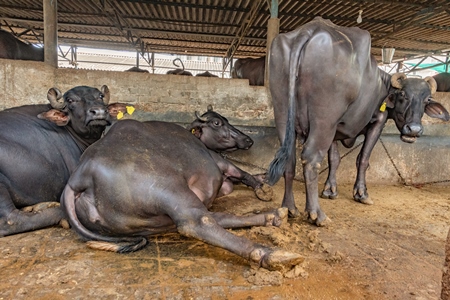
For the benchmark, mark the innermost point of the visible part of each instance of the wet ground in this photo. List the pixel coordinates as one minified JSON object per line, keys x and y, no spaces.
{"x":393,"y":249}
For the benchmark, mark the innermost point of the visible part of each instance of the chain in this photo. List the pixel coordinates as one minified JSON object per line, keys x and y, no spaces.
{"x":392,"y":161}
{"x":297,"y":178}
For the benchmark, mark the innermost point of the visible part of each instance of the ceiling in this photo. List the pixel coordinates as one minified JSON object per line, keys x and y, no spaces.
{"x":226,"y":27}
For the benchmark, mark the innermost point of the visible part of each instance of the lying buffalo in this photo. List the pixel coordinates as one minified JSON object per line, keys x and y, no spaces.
{"x":162,"y":179}
{"x":320,"y":96}
{"x":136,"y":69}
{"x":206,"y":74}
{"x":219,"y":135}
{"x":40,"y":146}
{"x":13,"y":48}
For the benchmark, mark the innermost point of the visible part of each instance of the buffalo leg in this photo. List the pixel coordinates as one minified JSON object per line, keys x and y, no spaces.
{"x":312,"y":156}
{"x":233,"y":173}
{"x":199,"y":223}
{"x":330,"y":187}
{"x":226,"y":220}
{"x":13,"y":220}
{"x":362,"y":162}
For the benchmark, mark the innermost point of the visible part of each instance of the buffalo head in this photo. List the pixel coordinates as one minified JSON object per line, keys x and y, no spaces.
{"x":86,"y":110}
{"x":409,"y":99}
{"x":217,"y":133}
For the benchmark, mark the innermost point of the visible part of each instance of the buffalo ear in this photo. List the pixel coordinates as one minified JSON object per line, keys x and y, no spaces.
{"x":56,"y":116}
{"x":197,"y":131}
{"x":106,"y":94}
{"x":390,"y":101}
{"x":117,"y":109}
{"x":436,"y":110}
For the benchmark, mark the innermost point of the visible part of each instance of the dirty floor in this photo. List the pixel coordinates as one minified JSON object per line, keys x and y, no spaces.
{"x":393,"y":249}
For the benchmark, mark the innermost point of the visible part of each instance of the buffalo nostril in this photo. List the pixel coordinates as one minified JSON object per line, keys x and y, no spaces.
{"x":413,"y":129}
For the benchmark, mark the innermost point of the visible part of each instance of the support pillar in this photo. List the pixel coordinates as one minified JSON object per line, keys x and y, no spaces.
{"x":51,"y":32}
{"x":273,"y":29}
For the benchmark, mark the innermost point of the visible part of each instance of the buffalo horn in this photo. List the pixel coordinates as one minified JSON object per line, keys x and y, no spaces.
{"x":396,"y":80}
{"x":106,"y":94}
{"x":54,"y":96}
{"x":432,"y":83}
{"x":200,"y":117}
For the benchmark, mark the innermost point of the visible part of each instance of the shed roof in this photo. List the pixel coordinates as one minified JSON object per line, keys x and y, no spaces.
{"x":213,"y":27}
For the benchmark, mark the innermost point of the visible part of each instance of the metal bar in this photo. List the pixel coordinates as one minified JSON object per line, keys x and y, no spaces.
{"x":242,"y":31}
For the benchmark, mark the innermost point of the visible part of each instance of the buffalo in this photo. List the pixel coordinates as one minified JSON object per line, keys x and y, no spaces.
{"x":13,"y":48}
{"x":163,"y":179}
{"x":206,"y":74}
{"x":179,"y":71}
{"x":326,"y":87}
{"x":137,"y":69}
{"x":443,"y":82}
{"x":252,"y":69}
{"x":218,"y":135}
{"x":40,"y":146}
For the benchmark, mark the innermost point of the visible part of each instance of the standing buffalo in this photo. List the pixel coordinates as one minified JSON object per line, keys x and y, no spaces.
{"x":443,"y":82}
{"x":326,"y":87}
{"x":217,"y":134}
{"x":13,"y":48}
{"x":161,"y":179}
{"x":250,"y":68}
{"x":179,"y":71}
{"x":40,"y":146}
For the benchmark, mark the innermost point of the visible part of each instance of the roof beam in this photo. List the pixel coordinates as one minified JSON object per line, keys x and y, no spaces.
{"x":242,"y":31}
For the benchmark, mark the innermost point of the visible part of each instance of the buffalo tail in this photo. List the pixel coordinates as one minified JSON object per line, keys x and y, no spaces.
{"x":97,"y":241}
{"x":278,"y":166}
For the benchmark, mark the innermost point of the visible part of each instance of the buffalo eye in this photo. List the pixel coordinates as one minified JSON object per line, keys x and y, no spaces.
{"x":70,"y":100}
{"x":101,"y":96}
{"x":216,"y":122}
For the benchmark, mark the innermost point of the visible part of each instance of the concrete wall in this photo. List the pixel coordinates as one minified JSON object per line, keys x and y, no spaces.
{"x":175,"y":98}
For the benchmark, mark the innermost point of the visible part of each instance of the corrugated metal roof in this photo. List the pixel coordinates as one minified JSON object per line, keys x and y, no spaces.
{"x":209,"y":27}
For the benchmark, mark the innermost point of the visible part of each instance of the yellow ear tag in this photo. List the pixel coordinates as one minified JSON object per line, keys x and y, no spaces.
{"x":193,"y":130}
{"x":119,"y":115}
{"x":130,"y":110}
{"x":383,"y":106}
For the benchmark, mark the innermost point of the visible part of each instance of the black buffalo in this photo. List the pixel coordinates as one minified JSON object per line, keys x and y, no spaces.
{"x":250,"y":68}
{"x":137,"y":69}
{"x":217,"y":134}
{"x":40,"y":146}
{"x":13,"y":48}
{"x":443,"y":82}
{"x":326,"y":87}
{"x":162,"y":179}
{"x":179,"y":71}
{"x":206,"y":74}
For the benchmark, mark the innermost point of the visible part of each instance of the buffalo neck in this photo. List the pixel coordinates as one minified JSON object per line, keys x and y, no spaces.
{"x":81,"y":142}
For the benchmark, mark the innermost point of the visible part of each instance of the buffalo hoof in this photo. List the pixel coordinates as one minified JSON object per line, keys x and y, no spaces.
{"x":40,"y":207}
{"x":318,"y":218}
{"x":264,"y":193}
{"x":329,"y":194}
{"x":280,"y":260}
{"x":294,"y":213}
{"x":277,"y":218}
{"x":64,"y":224}
{"x":363,"y":198}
